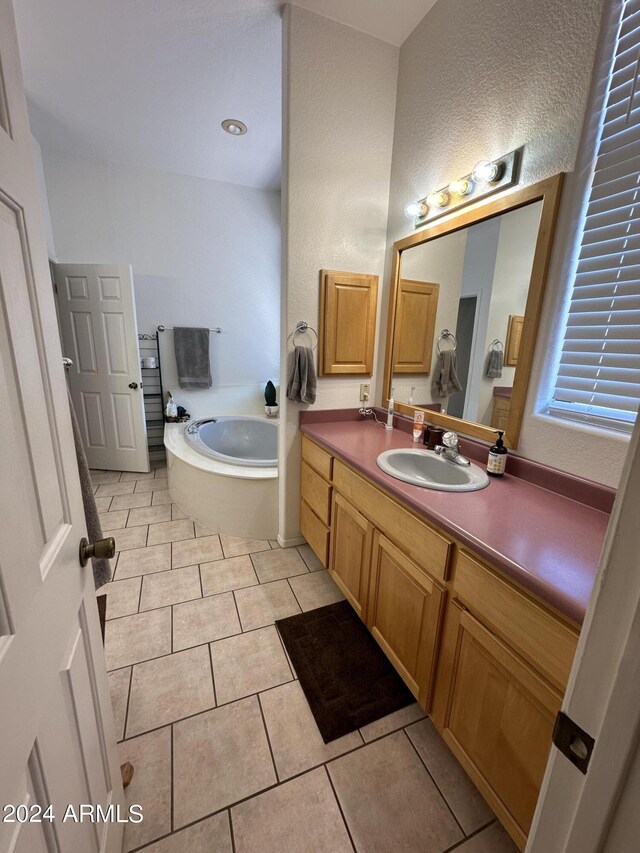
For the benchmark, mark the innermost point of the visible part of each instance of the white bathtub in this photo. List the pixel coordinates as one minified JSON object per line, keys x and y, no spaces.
{"x":225,"y":476}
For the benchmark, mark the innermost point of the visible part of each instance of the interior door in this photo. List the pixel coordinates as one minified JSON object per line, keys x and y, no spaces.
{"x":100,"y":335}
{"x":57,"y":738}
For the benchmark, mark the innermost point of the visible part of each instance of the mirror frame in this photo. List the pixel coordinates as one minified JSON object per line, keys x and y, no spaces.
{"x":548,"y":192}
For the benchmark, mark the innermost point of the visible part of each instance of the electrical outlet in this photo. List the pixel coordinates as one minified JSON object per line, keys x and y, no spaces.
{"x":365,"y":391}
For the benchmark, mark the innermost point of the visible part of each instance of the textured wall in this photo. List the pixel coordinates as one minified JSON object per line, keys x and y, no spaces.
{"x":339,"y":91}
{"x":478,"y":78}
{"x":204,"y":253}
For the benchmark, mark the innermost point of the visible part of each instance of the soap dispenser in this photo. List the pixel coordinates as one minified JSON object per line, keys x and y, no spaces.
{"x":497,"y":460}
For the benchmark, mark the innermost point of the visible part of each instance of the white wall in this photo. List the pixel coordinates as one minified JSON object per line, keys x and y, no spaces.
{"x":510,"y":81}
{"x":44,"y":200}
{"x":339,"y":103}
{"x":204,"y":253}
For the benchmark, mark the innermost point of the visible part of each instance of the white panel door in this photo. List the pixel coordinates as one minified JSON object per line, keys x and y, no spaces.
{"x":100,"y":335}
{"x":57,"y":738}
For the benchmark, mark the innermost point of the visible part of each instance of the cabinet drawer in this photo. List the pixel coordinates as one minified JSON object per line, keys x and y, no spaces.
{"x":315,"y":532}
{"x":428,"y":549}
{"x":316,"y":457}
{"x":540,"y":637}
{"x":316,"y":492}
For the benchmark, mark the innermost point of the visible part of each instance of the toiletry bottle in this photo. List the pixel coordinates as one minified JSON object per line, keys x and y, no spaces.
{"x":418,"y":424}
{"x":172,"y":410}
{"x":497,"y":460}
{"x":389,"y":423}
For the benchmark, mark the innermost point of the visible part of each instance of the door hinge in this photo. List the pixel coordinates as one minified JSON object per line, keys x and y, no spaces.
{"x":573,"y":742}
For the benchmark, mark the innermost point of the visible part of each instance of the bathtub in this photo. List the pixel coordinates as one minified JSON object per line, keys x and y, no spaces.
{"x":223,"y":473}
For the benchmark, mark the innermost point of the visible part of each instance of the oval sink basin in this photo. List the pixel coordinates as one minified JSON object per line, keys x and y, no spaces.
{"x":424,"y":468}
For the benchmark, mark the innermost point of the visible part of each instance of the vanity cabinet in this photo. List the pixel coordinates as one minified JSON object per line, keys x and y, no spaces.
{"x":315,"y":493}
{"x":350,"y":564}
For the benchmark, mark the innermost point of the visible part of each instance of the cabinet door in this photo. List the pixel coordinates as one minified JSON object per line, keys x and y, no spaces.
{"x":405,"y":608}
{"x":498,"y":718}
{"x":347,"y":322}
{"x":351,"y":536}
{"x":415,"y":324}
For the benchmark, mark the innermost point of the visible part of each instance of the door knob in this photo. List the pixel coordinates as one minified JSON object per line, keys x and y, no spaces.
{"x":102,"y":549}
{"x":133,"y":385}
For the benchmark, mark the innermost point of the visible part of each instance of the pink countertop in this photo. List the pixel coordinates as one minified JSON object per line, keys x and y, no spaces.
{"x":544,"y":541}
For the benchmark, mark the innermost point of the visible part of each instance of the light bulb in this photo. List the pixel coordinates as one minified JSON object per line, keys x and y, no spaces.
{"x":440,"y":198}
{"x":415,"y":210}
{"x":462,"y":186}
{"x":485,"y":172}
{"x":234,"y":127}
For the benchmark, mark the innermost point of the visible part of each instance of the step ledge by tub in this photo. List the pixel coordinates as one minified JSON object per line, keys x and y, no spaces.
{"x":175,"y":441}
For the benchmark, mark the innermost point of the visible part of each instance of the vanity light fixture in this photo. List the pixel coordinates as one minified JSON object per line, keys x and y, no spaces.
{"x":234,"y":127}
{"x":486,"y":178}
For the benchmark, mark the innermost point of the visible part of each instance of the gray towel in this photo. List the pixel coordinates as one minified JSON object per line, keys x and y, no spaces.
{"x":494,"y":364}
{"x":192,"y":357}
{"x":445,"y":380}
{"x":302,"y":376}
{"x":101,"y":567}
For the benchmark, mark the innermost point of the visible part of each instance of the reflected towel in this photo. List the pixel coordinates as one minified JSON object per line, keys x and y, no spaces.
{"x":302,"y":376}
{"x":494,"y":364}
{"x":192,"y":357}
{"x":101,"y":567}
{"x":445,"y":380}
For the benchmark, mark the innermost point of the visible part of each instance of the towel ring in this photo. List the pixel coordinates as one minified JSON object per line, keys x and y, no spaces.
{"x":301,"y":329}
{"x":445,"y":333}
{"x":495,"y":343}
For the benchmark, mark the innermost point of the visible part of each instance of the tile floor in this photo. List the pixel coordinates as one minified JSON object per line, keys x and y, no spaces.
{"x":226,"y":753}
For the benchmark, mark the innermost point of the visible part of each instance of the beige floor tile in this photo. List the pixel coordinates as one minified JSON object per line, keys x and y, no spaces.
{"x":170,"y":688}
{"x":305,"y":807}
{"x":158,"y":484}
{"x":103,"y":504}
{"x":177,"y":513}
{"x":127,"y":476}
{"x":150,"y":787}
{"x":201,"y":530}
{"x":128,"y":501}
{"x":105,"y":489}
{"x":149,"y":515}
{"x":212,"y":835}
{"x":119,"y":688}
{"x":204,"y":620}
{"x":295,"y":740}
{"x":248,"y":663}
{"x":224,"y":575}
{"x":461,"y":794}
{"x":315,"y":590}
{"x":99,"y":477}
{"x":160,"y":472}
{"x":192,"y":551}
{"x":161,"y":497}
{"x":136,"y":638}
{"x":310,"y":558}
{"x":122,"y":597}
{"x":392,"y":722}
{"x":262,"y":605}
{"x":274,"y":543}
{"x":113,"y":520}
{"x":389,"y":800}
{"x":143,"y":561}
{"x":494,"y":839}
{"x":233,"y":760}
{"x":170,"y":531}
{"x":274,"y":565}
{"x":235,"y":546}
{"x":162,"y":588}
{"x":128,"y":538}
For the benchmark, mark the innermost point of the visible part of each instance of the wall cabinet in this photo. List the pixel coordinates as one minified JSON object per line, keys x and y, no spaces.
{"x":348,"y":303}
{"x":415,"y":326}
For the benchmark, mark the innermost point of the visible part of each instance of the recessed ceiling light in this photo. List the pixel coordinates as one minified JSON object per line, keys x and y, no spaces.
{"x":234,"y":127}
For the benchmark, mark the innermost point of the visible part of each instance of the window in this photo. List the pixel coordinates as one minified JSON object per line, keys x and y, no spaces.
{"x":599,"y":375}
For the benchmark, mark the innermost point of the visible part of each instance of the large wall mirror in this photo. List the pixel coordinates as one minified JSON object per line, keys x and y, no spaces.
{"x":466,"y":294}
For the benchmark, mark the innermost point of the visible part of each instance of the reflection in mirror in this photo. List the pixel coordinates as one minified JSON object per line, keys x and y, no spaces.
{"x":473,"y":282}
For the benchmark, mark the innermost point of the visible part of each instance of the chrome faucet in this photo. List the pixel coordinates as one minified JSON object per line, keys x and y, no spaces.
{"x":449,"y":449}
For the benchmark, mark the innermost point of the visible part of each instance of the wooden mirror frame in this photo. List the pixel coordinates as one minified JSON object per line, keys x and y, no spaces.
{"x":548,"y":192}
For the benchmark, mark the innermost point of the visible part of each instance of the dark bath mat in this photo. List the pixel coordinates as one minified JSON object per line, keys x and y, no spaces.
{"x":344,"y":674}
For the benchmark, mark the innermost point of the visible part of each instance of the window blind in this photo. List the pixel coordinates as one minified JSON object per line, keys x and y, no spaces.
{"x":599,"y":375}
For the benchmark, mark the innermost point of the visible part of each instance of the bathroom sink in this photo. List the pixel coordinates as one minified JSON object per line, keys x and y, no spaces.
{"x":424,"y":468}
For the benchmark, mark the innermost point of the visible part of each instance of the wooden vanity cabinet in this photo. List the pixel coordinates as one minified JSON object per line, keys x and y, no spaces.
{"x":350,"y":562}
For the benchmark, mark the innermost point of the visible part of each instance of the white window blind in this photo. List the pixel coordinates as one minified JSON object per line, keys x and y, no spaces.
{"x":599,"y":376}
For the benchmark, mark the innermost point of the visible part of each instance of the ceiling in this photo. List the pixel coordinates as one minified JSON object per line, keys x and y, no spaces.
{"x":148,"y":82}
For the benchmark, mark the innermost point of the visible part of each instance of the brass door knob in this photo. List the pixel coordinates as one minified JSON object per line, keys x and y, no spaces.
{"x":102,"y":549}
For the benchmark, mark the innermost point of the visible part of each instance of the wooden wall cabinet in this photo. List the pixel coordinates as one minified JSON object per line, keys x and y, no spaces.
{"x":415,"y":325}
{"x":514,"y":336}
{"x":348,"y":303}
